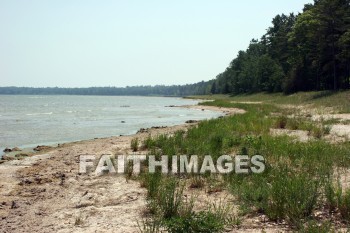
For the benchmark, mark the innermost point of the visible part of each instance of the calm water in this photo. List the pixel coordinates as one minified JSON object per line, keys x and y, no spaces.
{"x":27,"y":121}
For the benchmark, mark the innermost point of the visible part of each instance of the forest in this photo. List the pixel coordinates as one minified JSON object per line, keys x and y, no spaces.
{"x":159,"y":90}
{"x":305,"y":52}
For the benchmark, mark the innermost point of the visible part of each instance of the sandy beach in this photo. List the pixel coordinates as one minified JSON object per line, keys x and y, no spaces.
{"x":45,"y":192}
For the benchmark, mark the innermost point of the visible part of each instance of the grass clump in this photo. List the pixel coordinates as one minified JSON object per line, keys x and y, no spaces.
{"x":281,"y":122}
{"x":294,"y":123}
{"x":320,"y":131}
{"x":150,"y":225}
{"x":315,"y":227}
{"x":280,"y":195}
{"x":170,"y":199}
{"x":204,"y":221}
{"x":332,"y":194}
{"x":337,"y":199}
{"x":135,"y":144}
{"x":172,"y":212}
{"x":292,"y":197}
{"x":344,"y":205}
{"x":165,"y":196}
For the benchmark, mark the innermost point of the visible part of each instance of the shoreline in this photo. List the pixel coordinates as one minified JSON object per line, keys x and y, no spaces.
{"x":78,"y":121}
{"x":29,"y":150}
{"x":45,"y":192}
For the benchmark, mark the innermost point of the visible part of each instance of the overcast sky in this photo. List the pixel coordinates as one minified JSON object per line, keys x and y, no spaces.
{"x":82,"y":43}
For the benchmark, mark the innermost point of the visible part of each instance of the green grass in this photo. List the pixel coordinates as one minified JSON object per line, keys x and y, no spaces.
{"x":134,"y":144}
{"x":203,"y":221}
{"x":298,"y":179}
{"x":281,"y":194}
{"x":171,"y":211}
{"x":338,"y":200}
{"x":338,"y":100}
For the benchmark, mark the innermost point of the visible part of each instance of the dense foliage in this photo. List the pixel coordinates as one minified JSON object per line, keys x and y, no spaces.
{"x":309,"y":51}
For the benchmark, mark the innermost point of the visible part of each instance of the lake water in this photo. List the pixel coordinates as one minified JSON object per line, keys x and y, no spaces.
{"x":26,"y":121}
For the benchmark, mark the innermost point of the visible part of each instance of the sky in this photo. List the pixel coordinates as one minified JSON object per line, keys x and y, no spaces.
{"x":84,"y":43}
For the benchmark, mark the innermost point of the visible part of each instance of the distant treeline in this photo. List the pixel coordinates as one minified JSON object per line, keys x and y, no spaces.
{"x":304,"y":52}
{"x":309,"y":51}
{"x":175,"y":90}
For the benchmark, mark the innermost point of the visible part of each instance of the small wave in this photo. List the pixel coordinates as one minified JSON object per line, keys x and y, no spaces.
{"x":36,"y":97}
{"x":35,"y":114}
